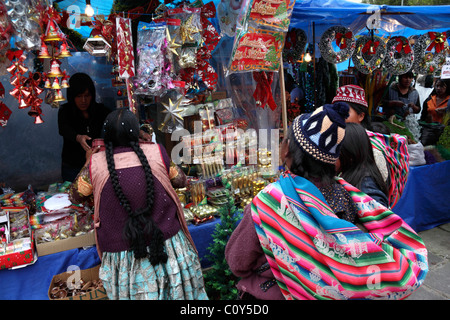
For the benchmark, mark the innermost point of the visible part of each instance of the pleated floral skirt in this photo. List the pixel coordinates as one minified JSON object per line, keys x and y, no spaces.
{"x":180,"y":278}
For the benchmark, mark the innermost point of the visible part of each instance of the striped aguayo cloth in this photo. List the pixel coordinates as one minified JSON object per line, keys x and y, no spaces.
{"x":395,"y":150}
{"x":315,"y":255}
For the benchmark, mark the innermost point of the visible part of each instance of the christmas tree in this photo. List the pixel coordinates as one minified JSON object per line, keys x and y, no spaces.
{"x":220,"y":282}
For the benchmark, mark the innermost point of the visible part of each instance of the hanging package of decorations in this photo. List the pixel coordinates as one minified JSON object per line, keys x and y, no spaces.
{"x":202,"y":68}
{"x":227,"y":14}
{"x":256,"y":49}
{"x":151,"y":41}
{"x":430,"y":52}
{"x":260,"y":35}
{"x":400,"y":56}
{"x":125,"y":53}
{"x":274,"y":14}
{"x":294,"y":45}
{"x":345,"y":41}
{"x":24,"y":16}
{"x":189,"y":31}
{"x":369,"y":53}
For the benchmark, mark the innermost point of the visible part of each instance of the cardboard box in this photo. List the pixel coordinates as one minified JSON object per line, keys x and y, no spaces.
{"x":19,"y":252}
{"x":84,"y":240}
{"x":85,"y":275}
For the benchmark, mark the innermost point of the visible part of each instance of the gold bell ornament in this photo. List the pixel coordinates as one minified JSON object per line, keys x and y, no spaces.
{"x":51,"y":33}
{"x":64,"y":51}
{"x":43,"y":53}
{"x":55,"y":84}
{"x":55,"y":70}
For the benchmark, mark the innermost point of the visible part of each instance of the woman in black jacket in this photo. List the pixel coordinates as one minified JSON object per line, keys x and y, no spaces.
{"x":80,"y":121}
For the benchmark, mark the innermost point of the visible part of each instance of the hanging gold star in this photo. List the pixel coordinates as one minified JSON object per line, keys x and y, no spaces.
{"x":172,"y":111}
{"x":172,"y":45}
{"x":187,"y":29}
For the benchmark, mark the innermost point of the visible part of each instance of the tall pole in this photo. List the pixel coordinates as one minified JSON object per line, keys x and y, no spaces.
{"x":283,"y":98}
{"x":314,"y":64}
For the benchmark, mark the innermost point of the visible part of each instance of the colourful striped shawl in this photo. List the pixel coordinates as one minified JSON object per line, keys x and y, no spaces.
{"x":315,"y":255}
{"x":395,"y":150}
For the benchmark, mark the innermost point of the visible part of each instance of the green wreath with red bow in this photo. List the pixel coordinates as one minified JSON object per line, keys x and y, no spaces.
{"x":369,"y":53}
{"x":428,"y":61}
{"x":344,"y":40}
{"x":400,"y":55}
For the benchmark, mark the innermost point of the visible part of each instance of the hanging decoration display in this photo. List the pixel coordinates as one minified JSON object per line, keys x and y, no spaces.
{"x":55,"y":47}
{"x":400,"y":56}
{"x":26,"y":89}
{"x":274,"y":14}
{"x":294,"y":45}
{"x":227,"y":14}
{"x":345,"y":41}
{"x":173,"y":109}
{"x":430,"y":52}
{"x":17,"y":70}
{"x":24,"y":16}
{"x":101,"y":41}
{"x":369,"y":53}
{"x":257,"y":50}
{"x":6,"y":30}
{"x":125,"y":52}
{"x":260,"y":35}
{"x":209,"y":40}
{"x":152,"y":65}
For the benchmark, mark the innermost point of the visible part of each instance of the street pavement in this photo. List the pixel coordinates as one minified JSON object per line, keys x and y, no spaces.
{"x":437,"y":282}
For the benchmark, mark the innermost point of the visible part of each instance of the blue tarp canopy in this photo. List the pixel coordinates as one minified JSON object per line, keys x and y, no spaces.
{"x":402,"y":20}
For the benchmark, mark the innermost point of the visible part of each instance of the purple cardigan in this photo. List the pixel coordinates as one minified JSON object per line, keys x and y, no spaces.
{"x":113,"y":217}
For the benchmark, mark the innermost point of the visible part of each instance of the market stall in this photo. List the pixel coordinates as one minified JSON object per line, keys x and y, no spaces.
{"x":204,"y":78}
{"x":207,"y":121}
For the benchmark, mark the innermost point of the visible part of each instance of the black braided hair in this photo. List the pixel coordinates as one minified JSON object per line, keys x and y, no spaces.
{"x":121,"y":128}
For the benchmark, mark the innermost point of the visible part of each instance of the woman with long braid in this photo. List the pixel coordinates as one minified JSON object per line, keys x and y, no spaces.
{"x":141,"y":234}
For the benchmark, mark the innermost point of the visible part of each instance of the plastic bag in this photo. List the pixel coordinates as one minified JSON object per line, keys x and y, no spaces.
{"x":416,"y":154}
{"x":151,"y":61}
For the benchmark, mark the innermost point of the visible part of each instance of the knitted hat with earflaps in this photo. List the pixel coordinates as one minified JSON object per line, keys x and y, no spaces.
{"x":321,"y":133}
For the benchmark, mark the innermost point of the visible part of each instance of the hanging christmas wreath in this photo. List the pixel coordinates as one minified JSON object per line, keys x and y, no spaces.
{"x":369,"y":53}
{"x":294,"y":45}
{"x":427,"y":61}
{"x":344,"y":40}
{"x":400,"y":56}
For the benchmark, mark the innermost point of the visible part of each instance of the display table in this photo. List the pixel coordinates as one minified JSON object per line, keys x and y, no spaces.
{"x":424,"y":203}
{"x":32,"y":282}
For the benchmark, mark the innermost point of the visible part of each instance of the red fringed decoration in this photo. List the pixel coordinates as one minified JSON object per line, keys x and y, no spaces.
{"x":263,"y":92}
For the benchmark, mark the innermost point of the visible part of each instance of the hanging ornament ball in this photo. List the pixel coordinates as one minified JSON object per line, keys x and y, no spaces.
{"x":430,"y":52}
{"x":400,"y":55}
{"x":119,"y":93}
{"x":344,"y":40}
{"x":369,"y":53}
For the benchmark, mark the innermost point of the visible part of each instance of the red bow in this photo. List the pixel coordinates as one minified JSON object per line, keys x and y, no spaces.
{"x":341,"y":39}
{"x":370,"y":46}
{"x":263,"y":92}
{"x":48,"y":14}
{"x":17,"y":54}
{"x":438,"y":41}
{"x":402,"y":45}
